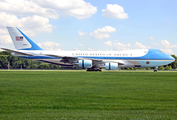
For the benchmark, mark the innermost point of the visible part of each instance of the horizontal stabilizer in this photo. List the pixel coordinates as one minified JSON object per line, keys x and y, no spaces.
{"x":16,"y":51}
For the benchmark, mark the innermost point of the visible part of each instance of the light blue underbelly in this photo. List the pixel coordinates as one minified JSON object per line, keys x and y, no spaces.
{"x":154,"y":63}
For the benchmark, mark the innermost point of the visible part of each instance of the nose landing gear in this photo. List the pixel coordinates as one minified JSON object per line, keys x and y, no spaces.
{"x":155,"y":69}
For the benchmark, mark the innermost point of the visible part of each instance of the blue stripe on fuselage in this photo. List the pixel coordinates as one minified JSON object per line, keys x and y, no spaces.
{"x":39,"y":57}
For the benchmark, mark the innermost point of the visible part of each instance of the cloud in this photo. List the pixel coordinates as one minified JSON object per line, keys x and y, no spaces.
{"x":114,"y":11}
{"x":81,"y":45}
{"x":90,"y":49}
{"x":120,"y":46}
{"x":165,"y":43}
{"x":48,"y":8}
{"x":168,"y":51}
{"x":76,"y":49}
{"x":29,"y":25}
{"x":36,"y":23}
{"x":32,"y":16}
{"x":139,"y":45}
{"x":102,"y":33}
{"x":50,"y":46}
{"x":7,"y":19}
{"x":117,"y":45}
{"x":26,"y":7}
{"x":5,"y":39}
{"x":81,"y":33}
{"x":108,"y":43}
{"x":6,"y":42}
{"x":151,"y":38}
{"x":75,"y":8}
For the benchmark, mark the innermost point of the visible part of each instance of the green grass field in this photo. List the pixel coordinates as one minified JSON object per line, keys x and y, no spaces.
{"x":88,"y":95}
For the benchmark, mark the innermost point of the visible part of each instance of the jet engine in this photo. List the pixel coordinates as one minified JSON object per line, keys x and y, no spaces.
{"x":85,"y":63}
{"x":111,"y":66}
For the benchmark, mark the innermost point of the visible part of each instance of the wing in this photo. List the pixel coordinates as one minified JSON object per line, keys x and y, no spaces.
{"x":65,"y":59}
{"x":95,"y":61}
{"x":59,"y":56}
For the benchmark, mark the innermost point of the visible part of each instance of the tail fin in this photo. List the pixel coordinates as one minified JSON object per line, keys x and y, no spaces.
{"x":21,"y":41}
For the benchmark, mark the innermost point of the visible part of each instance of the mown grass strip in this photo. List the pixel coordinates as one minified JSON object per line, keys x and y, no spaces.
{"x":88,"y":95}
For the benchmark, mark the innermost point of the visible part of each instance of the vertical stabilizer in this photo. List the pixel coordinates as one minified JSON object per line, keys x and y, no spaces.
{"x":21,"y":41}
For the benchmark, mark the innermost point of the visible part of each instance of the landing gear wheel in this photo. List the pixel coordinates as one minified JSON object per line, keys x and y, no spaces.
{"x":93,"y":69}
{"x":89,"y":69}
{"x":155,"y":69}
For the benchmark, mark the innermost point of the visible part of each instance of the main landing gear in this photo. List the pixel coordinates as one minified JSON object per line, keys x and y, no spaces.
{"x":93,"y":69}
{"x":155,"y":69}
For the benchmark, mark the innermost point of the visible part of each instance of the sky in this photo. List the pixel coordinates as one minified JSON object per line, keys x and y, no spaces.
{"x":92,"y":25}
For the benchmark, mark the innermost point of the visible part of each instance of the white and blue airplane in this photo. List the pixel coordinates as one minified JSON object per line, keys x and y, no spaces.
{"x":90,"y":60}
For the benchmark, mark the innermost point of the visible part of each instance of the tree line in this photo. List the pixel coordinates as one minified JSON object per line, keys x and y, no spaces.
{"x":18,"y":63}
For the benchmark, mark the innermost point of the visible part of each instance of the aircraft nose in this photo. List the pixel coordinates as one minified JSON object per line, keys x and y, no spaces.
{"x":172,"y":58}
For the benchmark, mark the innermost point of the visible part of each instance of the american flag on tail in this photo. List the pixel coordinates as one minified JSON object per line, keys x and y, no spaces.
{"x":19,"y":38}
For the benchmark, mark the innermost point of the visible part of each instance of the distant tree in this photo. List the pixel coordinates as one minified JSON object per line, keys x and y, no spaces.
{"x":44,"y":66}
{"x":27,"y":63}
{"x":142,"y":68}
{"x":168,"y":67}
{"x":174,"y":64}
{"x":3,"y":61}
{"x":17,"y":62}
{"x":12,"y":60}
{"x":148,"y":68}
{"x":5,"y":53}
{"x":34,"y":66}
{"x":161,"y":68}
{"x":136,"y":68}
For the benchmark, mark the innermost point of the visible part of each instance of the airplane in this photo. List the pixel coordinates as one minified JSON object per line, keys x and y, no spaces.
{"x":89,"y":60}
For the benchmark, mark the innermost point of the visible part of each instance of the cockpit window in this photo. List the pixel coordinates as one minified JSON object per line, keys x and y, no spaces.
{"x":160,"y":51}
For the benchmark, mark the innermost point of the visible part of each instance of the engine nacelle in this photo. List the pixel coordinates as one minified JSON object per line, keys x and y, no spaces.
{"x":111,"y":66}
{"x":85,"y":63}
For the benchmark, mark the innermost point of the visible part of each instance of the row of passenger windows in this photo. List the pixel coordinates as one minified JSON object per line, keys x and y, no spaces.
{"x":100,"y":54}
